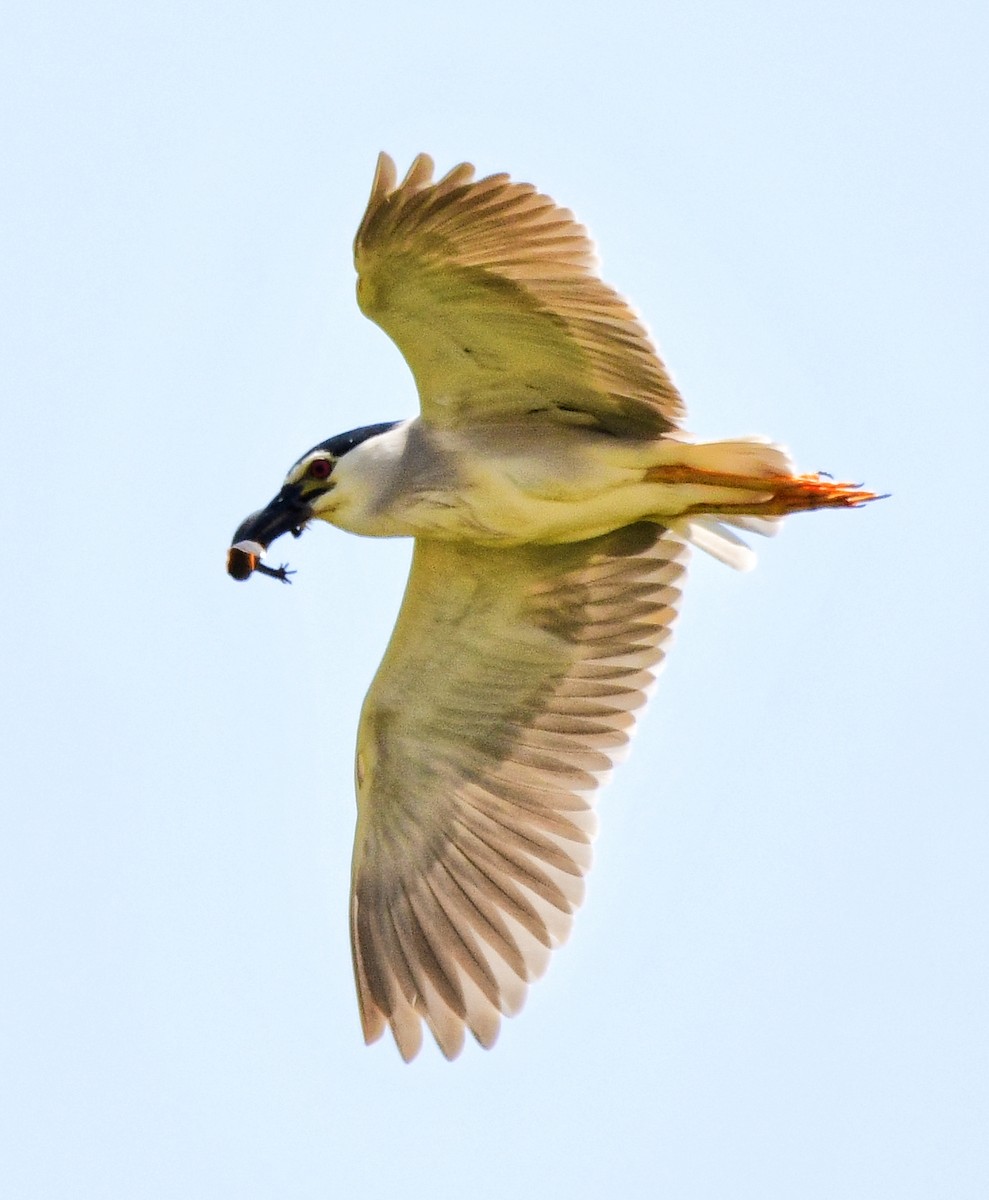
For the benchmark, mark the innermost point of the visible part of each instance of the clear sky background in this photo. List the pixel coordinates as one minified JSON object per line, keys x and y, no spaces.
{"x":777,"y":987}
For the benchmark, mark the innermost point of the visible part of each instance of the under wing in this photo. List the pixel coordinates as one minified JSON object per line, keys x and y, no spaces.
{"x":490,"y":291}
{"x":511,"y":683}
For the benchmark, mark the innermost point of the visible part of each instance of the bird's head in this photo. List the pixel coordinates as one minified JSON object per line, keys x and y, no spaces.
{"x":306,"y":493}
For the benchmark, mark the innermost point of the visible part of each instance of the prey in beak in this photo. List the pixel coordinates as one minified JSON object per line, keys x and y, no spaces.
{"x":287,"y":513}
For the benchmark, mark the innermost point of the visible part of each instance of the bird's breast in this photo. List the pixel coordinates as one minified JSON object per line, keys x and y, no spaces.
{"x":498,"y":487}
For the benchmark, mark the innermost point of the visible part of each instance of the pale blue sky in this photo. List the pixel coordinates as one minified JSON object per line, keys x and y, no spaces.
{"x":777,"y":987}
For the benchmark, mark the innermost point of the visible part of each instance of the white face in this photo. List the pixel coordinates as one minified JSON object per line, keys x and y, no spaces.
{"x":344,"y":480}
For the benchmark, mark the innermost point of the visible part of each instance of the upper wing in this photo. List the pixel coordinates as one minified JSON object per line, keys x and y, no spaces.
{"x":489,"y":290}
{"x":510,"y":684}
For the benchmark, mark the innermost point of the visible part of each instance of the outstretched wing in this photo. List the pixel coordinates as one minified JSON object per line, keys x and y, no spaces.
{"x":511,"y":682}
{"x":490,"y":292}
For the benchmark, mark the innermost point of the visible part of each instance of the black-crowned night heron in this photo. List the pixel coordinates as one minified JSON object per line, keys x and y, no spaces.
{"x":551,"y":494}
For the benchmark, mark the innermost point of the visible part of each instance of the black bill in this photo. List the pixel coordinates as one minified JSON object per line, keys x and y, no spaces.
{"x":287,"y":513}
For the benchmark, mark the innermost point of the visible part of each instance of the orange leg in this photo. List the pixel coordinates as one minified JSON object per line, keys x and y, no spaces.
{"x":786,"y":493}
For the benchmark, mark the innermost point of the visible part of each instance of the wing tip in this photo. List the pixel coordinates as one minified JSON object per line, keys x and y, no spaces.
{"x":419,"y":174}
{"x":385,"y":175}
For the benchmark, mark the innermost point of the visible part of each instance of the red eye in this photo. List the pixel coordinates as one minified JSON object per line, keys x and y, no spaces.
{"x":319,"y":468}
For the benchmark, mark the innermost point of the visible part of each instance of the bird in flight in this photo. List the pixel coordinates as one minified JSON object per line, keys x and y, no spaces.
{"x":552,"y":494}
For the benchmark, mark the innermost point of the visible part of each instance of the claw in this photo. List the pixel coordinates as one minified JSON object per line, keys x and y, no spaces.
{"x":281,"y":572}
